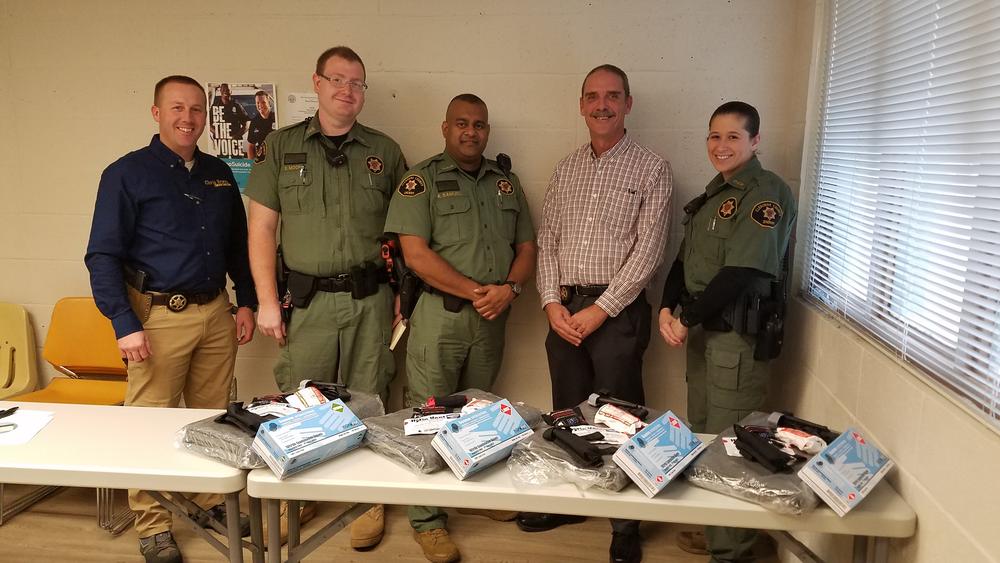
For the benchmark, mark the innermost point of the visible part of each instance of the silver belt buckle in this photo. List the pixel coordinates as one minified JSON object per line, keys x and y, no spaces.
{"x":177,"y":302}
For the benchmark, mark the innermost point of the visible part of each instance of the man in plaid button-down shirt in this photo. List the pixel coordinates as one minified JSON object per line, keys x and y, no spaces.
{"x":604,"y":225}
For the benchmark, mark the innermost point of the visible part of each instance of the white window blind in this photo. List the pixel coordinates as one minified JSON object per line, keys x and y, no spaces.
{"x":905,"y":218}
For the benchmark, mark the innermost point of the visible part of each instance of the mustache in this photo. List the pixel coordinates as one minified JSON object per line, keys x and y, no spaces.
{"x":602,"y":113}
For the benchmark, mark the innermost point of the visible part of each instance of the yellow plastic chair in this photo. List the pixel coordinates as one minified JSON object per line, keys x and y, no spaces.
{"x":81,"y":344}
{"x":18,"y":367}
{"x":81,"y":341}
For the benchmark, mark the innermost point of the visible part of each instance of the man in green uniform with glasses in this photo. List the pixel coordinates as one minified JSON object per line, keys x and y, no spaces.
{"x":329,"y":180}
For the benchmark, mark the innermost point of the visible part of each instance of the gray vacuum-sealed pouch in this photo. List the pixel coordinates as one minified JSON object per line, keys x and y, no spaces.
{"x":385,"y":435}
{"x":230,"y":445}
{"x":739,"y":477}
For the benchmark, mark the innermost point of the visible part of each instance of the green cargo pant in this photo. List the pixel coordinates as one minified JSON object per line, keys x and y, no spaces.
{"x":448,"y":352}
{"x":725,"y":384}
{"x":337,"y":334}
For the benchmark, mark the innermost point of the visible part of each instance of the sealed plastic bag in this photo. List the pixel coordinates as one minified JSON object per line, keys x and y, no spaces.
{"x":385,"y":435}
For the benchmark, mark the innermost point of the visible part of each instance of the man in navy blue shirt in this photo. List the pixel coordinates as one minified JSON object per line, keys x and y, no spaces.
{"x":169,"y":225}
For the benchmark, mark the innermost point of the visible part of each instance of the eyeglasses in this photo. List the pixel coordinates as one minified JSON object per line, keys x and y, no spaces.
{"x":339,"y":83}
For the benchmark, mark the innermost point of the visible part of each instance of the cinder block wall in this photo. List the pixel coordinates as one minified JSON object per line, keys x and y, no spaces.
{"x":76,"y":83}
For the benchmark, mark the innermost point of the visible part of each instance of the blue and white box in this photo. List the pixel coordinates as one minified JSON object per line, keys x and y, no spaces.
{"x":481,"y":438}
{"x":658,"y":452}
{"x":300,"y":440}
{"x":845,"y":471}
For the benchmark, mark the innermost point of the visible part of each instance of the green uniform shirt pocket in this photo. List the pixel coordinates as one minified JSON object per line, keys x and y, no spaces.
{"x":453,"y":222}
{"x":295,"y":189}
{"x":510,"y":208}
{"x":712,"y":246}
{"x":372,"y":200}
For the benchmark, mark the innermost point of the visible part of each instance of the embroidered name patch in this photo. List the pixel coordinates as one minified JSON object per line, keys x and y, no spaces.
{"x":218,"y":183}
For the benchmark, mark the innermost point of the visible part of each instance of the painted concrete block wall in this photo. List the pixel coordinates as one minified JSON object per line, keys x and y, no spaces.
{"x":946,"y":458}
{"x":76,"y":81}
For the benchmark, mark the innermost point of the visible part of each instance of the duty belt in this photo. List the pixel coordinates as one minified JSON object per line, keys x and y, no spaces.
{"x":566,"y":292}
{"x":343,"y":283}
{"x":177,"y":301}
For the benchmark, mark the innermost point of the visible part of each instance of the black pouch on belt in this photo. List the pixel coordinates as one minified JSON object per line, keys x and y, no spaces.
{"x":301,"y":287}
{"x":453,"y":303}
{"x":364,"y":280}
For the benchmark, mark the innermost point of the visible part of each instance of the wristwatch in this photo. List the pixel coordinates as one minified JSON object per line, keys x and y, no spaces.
{"x":514,"y":286}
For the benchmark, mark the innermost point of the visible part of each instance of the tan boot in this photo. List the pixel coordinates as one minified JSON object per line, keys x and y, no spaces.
{"x":437,"y":546}
{"x":498,"y":515}
{"x":692,"y":542}
{"x":367,"y":529}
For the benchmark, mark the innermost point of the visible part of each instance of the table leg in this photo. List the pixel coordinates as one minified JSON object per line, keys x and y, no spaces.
{"x":233,"y":527}
{"x":860,"y":549}
{"x":273,"y":531}
{"x":256,"y":530}
{"x":326,"y":532}
{"x":294,"y":532}
{"x":881,"y":550}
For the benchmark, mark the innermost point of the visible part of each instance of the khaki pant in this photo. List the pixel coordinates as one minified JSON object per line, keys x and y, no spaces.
{"x":193,"y":355}
{"x":725,"y":384}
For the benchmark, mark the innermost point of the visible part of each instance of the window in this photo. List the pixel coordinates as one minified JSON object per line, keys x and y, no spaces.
{"x":905,"y":216}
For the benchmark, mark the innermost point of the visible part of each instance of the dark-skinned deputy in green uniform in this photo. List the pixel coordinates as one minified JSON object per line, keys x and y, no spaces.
{"x":735,"y":238}
{"x":464,"y":228}
{"x":329,"y":180}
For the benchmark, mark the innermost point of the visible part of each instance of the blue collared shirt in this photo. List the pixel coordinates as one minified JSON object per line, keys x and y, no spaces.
{"x":186,"y":230}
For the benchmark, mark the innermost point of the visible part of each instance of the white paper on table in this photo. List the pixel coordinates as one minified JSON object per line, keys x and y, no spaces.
{"x":28,"y":422}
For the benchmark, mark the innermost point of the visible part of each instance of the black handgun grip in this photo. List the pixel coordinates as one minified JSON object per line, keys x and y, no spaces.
{"x":757,"y":449}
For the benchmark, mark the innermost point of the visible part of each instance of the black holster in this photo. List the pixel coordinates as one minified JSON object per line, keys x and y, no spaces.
{"x":364,"y":280}
{"x":301,"y":288}
{"x":453,"y":303}
{"x":770,"y":338}
{"x":410,"y":287}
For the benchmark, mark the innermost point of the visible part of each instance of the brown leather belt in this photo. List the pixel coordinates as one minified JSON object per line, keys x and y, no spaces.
{"x":177,"y":301}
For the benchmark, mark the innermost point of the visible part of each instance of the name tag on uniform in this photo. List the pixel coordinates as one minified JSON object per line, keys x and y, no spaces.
{"x":295,"y":158}
{"x":447,"y":186}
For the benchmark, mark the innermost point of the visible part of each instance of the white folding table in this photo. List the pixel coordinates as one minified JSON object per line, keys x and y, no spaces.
{"x":130,"y":448}
{"x":365,"y":477}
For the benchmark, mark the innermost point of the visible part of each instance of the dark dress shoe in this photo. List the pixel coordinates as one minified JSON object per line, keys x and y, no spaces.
{"x":535,"y":522}
{"x":625,"y":548}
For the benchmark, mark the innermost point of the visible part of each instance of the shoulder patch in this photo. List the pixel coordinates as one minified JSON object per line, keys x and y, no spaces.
{"x":261,"y":154}
{"x":375,"y":164}
{"x":728,"y":208}
{"x":505,"y":187}
{"x":412,"y":185}
{"x":766,"y":214}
